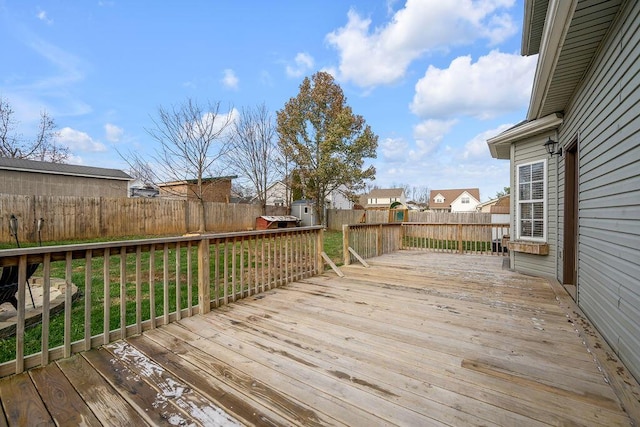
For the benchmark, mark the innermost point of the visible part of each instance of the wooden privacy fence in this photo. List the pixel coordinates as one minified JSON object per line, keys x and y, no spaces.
{"x":369,"y":240}
{"x":336,"y":218}
{"x":76,"y":218}
{"x":130,"y":286}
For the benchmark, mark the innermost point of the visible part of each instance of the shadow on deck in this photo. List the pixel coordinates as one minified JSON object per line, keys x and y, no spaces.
{"x":416,"y":339}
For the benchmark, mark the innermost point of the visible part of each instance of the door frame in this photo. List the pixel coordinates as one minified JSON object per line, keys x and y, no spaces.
{"x":571,"y":215}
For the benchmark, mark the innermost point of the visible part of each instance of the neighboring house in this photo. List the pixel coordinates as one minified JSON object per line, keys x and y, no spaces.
{"x":455,"y":200}
{"x":35,"y":178}
{"x":338,"y":200}
{"x":383,"y":198}
{"x":216,"y":189}
{"x":576,"y":213}
{"x":277,"y":194}
{"x":141,"y":188}
{"x":499,"y":203}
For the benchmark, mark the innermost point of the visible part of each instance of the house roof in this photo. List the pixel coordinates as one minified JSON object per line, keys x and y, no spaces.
{"x":499,"y":145}
{"x":385,"y":192}
{"x":35,"y":166}
{"x":451,"y":195}
{"x":567,"y":36}
{"x":502,"y":201}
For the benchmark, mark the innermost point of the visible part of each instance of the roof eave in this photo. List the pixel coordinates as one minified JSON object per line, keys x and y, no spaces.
{"x":527,"y":25}
{"x":558,"y":19}
{"x":499,"y":145}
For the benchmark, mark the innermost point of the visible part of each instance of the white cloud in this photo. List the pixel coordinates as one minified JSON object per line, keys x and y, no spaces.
{"x":42,"y":15}
{"x":394,"y":150}
{"x":433,"y":130}
{"x":496,"y":83}
{"x":79,"y":141}
{"x":381,"y":56}
{"x":302,"y":64}
{"x":428,"y":136}
{"x":219,"y":120}
{"x":113,"y":133}
{"x":230,"y":80}
{"x":477,"y":147}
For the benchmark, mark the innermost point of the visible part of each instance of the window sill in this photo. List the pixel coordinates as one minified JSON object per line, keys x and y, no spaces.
{"x":535,"y":248}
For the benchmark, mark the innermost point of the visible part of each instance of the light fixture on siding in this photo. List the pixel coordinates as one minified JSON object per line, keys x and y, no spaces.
{"x":550,"y":146}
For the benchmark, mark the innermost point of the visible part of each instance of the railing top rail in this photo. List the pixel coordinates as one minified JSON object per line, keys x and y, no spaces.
{"x":10,"y":256}
{"x":467,"y":224}
{"x":375,"y":224}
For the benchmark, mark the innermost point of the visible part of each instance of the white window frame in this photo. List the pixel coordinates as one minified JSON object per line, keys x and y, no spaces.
{"x":465,"y":200}
{"x":519,"y":202}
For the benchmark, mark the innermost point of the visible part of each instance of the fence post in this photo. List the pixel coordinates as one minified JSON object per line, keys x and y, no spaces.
{"x":345,"y":244}
{"x":379,"y":242}
{"x":319,"y":250}
{"x":204,"y":277}
{"x":460,"y":248}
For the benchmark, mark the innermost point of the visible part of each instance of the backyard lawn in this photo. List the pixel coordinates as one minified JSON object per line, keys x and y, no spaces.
{"x":332,"y":247}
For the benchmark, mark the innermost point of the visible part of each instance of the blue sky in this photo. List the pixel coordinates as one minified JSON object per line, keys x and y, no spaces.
{"x":433,"y":78}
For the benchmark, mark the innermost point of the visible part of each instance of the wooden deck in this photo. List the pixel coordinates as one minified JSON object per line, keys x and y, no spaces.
{"x":416,"y":339}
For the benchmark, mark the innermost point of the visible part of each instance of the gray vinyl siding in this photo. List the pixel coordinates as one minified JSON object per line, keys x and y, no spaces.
{"x":528,"y":151}
{"x":605,"y":116}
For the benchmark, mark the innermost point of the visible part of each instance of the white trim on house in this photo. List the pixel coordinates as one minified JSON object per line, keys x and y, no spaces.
{"x":500,"y":145}
{"x":559,"y":15}
{"x":519,"y":202}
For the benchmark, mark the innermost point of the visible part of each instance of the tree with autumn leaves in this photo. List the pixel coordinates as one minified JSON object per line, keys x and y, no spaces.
{"x":326,"y":142}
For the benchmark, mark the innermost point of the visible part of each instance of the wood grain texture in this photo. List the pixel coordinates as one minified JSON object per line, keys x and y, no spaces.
{"x":64,"y":403}
{"x":415,"y":339}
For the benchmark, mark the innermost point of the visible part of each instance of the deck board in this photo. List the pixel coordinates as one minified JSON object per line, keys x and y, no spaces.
{"x":416,"y":339}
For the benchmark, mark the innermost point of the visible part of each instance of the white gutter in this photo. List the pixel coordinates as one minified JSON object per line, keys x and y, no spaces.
{"x":557,"y":21}
{"x":499,"y":144}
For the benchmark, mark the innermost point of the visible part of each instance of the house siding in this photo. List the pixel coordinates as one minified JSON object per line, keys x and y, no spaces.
{"x":532,"y":150}
{"x":605,"y":117}
{"x":45,"y":184}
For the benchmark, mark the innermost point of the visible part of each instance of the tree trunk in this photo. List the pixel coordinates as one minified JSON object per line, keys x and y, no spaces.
{"x":202,"y":227}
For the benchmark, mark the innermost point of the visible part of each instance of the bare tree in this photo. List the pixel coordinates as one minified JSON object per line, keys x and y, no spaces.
{"x":192,"y":139}
{"x":44,"y":147}
{"x":253,"y":150}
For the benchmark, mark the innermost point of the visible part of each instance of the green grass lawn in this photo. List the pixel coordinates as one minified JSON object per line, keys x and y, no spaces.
{"x":332,"y":246}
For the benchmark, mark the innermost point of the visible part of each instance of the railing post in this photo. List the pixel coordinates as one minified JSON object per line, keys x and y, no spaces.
{"x":345,"y":244}
{"x":204,"y":277}
{"x":319,"y":250}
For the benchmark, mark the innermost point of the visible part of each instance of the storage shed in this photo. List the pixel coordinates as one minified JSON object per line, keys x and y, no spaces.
{"x":305,"y":210}
{"x":268,"y":222}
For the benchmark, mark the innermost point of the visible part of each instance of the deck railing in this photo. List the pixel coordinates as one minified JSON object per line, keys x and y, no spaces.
{"x":369,"y":240}
{"x":127,"y":287}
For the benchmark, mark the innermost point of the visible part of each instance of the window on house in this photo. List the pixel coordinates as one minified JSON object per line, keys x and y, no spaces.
{"x":465,"y":200}
{"x":531,"y":201}
{"x":306,"y":210}
{"x":439,"y":199}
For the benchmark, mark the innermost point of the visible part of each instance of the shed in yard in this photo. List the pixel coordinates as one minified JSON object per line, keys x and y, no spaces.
{"x":305,"y":211}
{"x":266,"y":222}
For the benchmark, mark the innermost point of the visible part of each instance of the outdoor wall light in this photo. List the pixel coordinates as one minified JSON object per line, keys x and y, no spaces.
{"x":550,"y":146}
